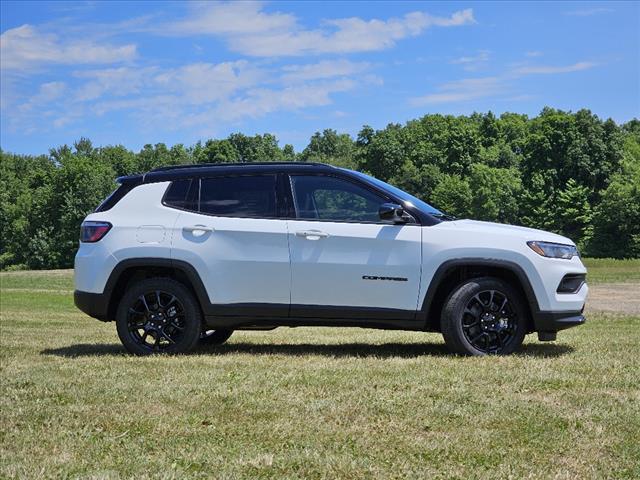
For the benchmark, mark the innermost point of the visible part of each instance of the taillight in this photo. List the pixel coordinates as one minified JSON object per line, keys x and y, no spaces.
{"x":93,"y":231}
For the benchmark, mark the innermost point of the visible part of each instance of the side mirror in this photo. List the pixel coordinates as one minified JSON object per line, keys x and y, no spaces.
{"x":392,"y":212}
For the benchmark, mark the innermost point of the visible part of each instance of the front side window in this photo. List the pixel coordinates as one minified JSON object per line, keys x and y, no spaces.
{"x":320,"y":197}
{"x":241,"y":196}
{"x":401,"y":194}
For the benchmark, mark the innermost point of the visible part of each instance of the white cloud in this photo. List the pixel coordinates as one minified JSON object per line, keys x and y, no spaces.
{"x":47,"y":93}
{"x":587,"y":12}
{"x":171,"y":112}
{"x":194,"y":83}
{"x":549,"y":69}
{"x":534,"y":53}
{"x":194,"y":95}
{"x":231,"y":18}
{"x":462,"y":90}
{"x":473,"y":62}
{"x":492,"y":87}
{"x":323,"y":69}
{"x":251,"y":31}
{"x":117,"y":82}
{"x":50,"y":91}
{"x":205,"y":82}
{"x":45,"y":107}
{"x":25,"y":47}
{"x":104,"y":79}
{"x":262,"y":101}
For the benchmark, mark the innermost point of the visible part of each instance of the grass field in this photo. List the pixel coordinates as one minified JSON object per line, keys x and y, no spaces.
{"x":310,"y":403}
{"x":606,"y":270}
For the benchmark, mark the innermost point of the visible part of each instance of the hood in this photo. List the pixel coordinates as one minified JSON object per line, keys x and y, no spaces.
{"x":474,"y":226}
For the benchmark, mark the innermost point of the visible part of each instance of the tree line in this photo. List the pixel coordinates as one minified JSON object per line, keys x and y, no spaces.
{"x":570,"y":173}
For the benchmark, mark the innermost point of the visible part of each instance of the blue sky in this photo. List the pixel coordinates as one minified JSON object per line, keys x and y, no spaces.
{"x":133,"y":73}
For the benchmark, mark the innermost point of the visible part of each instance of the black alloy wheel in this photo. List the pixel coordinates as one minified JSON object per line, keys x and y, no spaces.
{"x":484,"y":316}
{"x":156,"y":320}
{"x":489,"y":323}
{"x":158,"y":315}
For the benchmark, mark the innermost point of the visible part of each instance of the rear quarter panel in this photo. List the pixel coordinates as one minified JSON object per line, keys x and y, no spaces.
{"x":141,"y":227}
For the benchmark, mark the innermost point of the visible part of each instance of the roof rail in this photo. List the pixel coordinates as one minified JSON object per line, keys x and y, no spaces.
{"x":204,"y":165}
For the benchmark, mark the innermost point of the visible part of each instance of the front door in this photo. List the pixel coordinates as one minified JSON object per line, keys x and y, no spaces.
{"x":345,"y":261}
{"x":238,"y":245}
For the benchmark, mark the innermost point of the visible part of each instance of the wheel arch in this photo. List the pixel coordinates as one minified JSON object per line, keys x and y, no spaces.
{"x":131,"y":269}
{"x":452,"y":272}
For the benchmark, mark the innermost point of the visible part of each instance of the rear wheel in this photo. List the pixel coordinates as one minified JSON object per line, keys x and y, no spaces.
{"x":158,"y":315}
{"x":484,"y":316}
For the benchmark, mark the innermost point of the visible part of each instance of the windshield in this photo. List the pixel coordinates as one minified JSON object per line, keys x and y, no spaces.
{"x":401,"y":194}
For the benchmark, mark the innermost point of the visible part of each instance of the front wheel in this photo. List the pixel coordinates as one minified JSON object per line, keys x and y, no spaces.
{"x":484,"y":316}
{"x":158,"y":315}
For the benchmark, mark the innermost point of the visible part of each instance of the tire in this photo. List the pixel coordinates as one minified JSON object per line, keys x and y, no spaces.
{"x":158,"y":315}
{"x":214,"y":337}
{"x":484,"y":316}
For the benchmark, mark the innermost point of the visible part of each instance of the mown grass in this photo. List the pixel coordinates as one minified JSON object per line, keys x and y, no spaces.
{"x":308,"y":403}
{"x":611,"y":270}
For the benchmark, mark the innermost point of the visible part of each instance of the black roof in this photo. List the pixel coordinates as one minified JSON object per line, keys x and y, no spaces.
{"x":181,"y":171}
{"x":175,"y":172}
{"x":237,"y":164}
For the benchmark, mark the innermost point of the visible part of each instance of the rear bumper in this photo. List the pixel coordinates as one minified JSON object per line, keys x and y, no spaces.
{"x":95,"y":305}
{"x":549,"y":322}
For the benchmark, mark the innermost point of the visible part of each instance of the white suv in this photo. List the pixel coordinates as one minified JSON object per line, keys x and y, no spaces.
{"x":187,"y":254}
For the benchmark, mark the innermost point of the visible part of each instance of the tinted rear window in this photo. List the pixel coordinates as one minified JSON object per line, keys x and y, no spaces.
{"x":115,"y":196}
{"x":177,"y":195}
{"x":242,"y":196}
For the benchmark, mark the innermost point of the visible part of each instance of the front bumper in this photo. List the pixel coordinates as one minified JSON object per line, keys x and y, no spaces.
{"x":95,"y":305}
{"x":551,"y":322}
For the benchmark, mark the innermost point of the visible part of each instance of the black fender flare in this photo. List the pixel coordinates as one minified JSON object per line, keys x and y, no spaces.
{"x":447,"y":266}
{"x":150,"y":262}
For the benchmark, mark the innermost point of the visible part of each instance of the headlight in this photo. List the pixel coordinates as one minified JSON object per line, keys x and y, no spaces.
{"x":554,"y":250}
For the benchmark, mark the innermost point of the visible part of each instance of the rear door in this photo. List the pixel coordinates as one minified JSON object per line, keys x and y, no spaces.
{"x":345,"y":261}
{"x":232,"y":235}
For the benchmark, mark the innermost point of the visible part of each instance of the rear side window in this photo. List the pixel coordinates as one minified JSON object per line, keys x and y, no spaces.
{"x":115,"y":196}
{"x":241,"y":196}
{"x":177,"y":195}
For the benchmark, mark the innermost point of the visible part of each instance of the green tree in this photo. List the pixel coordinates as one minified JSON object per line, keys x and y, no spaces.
{"x":537,"y":202}
{"x":179,"y":155}
{"x":576,"y":146}
{"x":574,"y":212}
{"x":495,"y":193}
{"x":616,"y":220}
{"x":121,"y":160}
{"x":330,"y":147}
{"x":259,"y":148}
{"x":381,"y":153}
{"x":453,"y":196}
{"x":419,"y":181}
{"x":288,"y":153}
{"x":78,"y":186}
{"x":153,"y":156}
{"x":216,"y":151}
{"x":25,"y":185}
